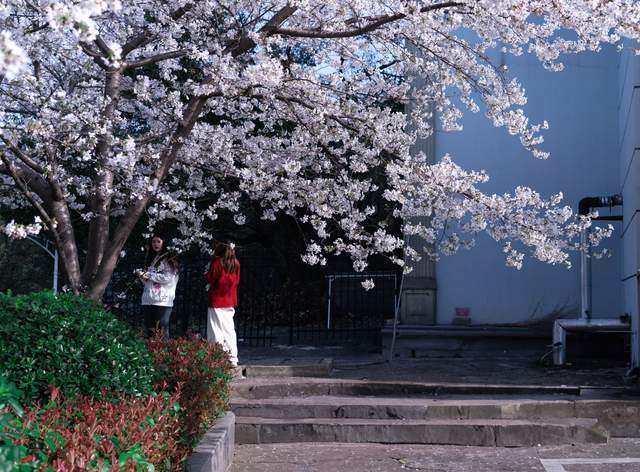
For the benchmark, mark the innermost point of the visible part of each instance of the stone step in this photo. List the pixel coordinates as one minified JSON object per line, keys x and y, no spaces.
{"x":320,"y":368}
{"x":412,"y":408}
{"x":316,"y":387}
{"x":491,"y":433}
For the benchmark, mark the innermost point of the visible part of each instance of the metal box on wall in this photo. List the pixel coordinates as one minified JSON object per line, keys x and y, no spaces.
{"x":418,"y":306}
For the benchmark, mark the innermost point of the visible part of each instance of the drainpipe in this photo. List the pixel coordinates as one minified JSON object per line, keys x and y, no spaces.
{"x":585,"y":205}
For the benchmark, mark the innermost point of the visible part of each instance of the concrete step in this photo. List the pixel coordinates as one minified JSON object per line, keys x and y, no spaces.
{"x":319,"y":368}
{"x":501,"y":433}
{"x":315,"y":387}
{"x":411,"y":408}
{"x":620,"y":417}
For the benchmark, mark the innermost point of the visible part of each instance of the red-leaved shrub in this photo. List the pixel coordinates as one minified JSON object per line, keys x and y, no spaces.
{"x":202,"y":372}
{"x":124,"y":433}
{"x":118,"y":431}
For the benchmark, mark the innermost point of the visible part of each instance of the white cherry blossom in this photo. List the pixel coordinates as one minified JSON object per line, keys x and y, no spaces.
{"x":183,"y":110}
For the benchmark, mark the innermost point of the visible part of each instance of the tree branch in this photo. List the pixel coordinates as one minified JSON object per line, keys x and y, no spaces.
{"x":98,"y":58}
{"x":60,"y":223}
{"x":373,"y":24}
{"x":23,"y":156}
{"x":103,"y":184}
{"x":134,"y":212}
{"x":102,"y":46}
{"x":10,"y":169}
{"x":245,"y":43}
{"x":157,"y":58}
{"x":143,"y":38}
{"x":31,"y":178}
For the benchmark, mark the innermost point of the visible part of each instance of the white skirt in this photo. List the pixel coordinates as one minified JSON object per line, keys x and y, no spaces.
{"x":221,"y":330}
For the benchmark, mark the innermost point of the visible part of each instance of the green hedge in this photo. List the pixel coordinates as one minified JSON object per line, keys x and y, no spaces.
{"x":70,"y":342}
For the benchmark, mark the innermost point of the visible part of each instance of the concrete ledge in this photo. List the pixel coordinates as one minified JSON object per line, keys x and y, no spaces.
{"x":214,"y":453}
{"x":319,"y":369}
{"x":471,"y":331}
{"x":490,"y":433}
{"x":314,"y":387}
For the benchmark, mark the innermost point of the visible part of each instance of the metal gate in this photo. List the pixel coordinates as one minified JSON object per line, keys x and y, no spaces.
{"x":351,"y":314}
{"x":297,"y":304}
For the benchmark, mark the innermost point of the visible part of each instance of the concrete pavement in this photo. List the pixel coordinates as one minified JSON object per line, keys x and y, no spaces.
{"x":366,"y":388}
{"x":616,"y":456}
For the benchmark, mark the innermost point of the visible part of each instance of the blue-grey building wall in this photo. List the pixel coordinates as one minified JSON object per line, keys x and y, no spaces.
{"x":581,"y":106}
{"x":628,"y":140}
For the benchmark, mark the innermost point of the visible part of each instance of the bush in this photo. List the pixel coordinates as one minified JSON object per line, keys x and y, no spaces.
{"x":70,"y":342}
{"x":11,"y":454}
{"x":203,"y":371}
{"x":123,"y":433}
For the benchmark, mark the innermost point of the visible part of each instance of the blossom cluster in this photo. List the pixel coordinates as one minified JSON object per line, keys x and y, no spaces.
{"x":18,"y":231}
{"x":182,"y":110}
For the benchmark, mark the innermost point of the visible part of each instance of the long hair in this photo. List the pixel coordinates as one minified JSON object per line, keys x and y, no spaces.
{"x":170,"y":258}
{"x":227,"y":254}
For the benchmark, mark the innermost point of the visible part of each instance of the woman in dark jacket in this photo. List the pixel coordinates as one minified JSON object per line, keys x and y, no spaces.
{"x":223,"y":278}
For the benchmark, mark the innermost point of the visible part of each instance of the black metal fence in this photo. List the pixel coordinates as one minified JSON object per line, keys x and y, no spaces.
{"x":350,"y":313}
{"x":294,"y":304}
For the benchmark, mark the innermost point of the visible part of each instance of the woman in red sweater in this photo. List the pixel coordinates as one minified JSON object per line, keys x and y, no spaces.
{"x":223,"y":278}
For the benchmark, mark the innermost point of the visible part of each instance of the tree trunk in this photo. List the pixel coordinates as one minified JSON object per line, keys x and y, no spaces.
{"x":101,"y":200}
{"x":99,"y":283}
{"x":67,"y":248}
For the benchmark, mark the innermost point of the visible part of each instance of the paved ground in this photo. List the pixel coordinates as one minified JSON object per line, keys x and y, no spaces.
{"x":484,"y":371}
{"x":498,"y":370}
{"x":314,"y":457}
{"x":619,"y":455}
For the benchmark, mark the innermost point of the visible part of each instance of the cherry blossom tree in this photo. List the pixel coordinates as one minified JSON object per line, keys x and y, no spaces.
{"x":116,"y":112}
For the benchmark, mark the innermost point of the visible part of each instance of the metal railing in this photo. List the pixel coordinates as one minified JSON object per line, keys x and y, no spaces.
{"x":290,"y":305}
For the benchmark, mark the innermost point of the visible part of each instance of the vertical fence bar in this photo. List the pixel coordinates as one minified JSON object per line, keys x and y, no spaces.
{"x":330,"y":296}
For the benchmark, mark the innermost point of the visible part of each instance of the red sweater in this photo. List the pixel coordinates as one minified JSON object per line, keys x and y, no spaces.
{"x":223,"y":285}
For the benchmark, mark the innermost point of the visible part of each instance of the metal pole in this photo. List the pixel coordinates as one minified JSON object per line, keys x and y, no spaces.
{"x":54,"y":255}
{"x":395,"y":319}
{"x":585,"y":276}
{"x":55,"y":272}
{"x":329,"y":304}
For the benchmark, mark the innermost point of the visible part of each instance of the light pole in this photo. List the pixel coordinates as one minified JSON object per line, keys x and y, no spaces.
{"x":45,"y":244}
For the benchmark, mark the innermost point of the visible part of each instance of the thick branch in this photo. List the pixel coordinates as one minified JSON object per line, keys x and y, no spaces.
{"x":245,"y":43}
{"x":59,"y":223}
{"x":102,"y":46}
{"x":28,"y":177}
{"x":372,"y":25}
{"x":157,"y":58}
{"x":145,"y":37}
{"x":97,"y":57}
{"x":102,"y":189}
{"x":10,"y":169}
{"x":135,"y":211}
{"x":23,"y":156}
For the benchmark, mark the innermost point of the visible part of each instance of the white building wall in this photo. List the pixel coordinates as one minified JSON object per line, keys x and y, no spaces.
{"x":628,"y":102}
{"x":581,"y":106}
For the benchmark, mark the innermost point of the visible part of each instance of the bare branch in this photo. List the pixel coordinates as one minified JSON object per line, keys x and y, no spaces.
{"x":23,"y":156}
{"x":151,"y":138}
{"x":245,"y":43}
{"x":102,"y":46}
{"x":374,"y":23}
{"x":101,"y":198}
{"x":146,"y":37}
{"x":9,"y":168}
{"x":157,"y":58}
{"x":98,"y":58}
{"x":31,"y":178}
